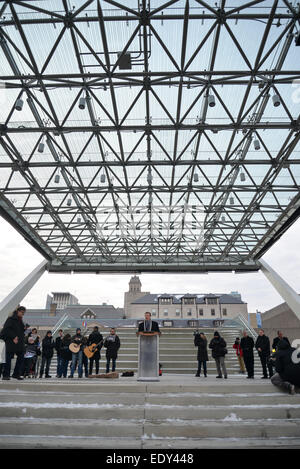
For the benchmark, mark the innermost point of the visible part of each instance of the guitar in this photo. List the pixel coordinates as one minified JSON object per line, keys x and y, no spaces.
{"x":90,"y":350}
{"x":74,"y":347}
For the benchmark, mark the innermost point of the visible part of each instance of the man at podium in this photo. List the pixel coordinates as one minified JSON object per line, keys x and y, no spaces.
{"x":148,"y":325}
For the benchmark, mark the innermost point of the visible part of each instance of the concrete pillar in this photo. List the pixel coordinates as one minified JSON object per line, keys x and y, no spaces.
{"x":9,"y":304}
{"x":282,"y":287}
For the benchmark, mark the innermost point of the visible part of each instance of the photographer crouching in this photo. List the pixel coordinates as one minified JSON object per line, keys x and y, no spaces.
{"x":287,"y":374}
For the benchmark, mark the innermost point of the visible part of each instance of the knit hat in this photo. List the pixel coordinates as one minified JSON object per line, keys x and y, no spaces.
{"x":216,"y":334}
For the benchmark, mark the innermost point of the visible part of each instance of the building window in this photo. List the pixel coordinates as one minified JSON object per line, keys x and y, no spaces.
{"x":188,"y":301}
{"x":177,"y":313}
{"x":212,"y":301}
{"x":212,"y":312}
{"x":200,"y":312}
{"x":189,"y":313}
{"x":166,"y":301}
{"x":224,"y":312}
{"x":153,"y":311}
{"x":165,"y":312}
{"x":153,"y":314}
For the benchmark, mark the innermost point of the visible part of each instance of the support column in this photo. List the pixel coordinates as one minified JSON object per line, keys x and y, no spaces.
{"x":282,"y":287}
{"x":10,"y":303}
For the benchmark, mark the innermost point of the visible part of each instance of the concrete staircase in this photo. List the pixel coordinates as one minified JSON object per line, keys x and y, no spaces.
{"x":176,"y":412}
{"x":177,"y":351}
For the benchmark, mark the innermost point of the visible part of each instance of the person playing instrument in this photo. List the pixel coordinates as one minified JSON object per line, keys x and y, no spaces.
{"x":148,"y":325}
{"x":77,"y":339}
{"x":96,"y":339}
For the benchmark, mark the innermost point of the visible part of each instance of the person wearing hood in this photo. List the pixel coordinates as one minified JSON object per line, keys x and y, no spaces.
{"x":218,"y":347}
{"x":47,"y":354}
{"x":287,"y":369}
{"x":13,"y":334}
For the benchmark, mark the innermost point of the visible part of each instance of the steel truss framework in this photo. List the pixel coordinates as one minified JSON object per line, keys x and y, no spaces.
{"x":156,"y":110}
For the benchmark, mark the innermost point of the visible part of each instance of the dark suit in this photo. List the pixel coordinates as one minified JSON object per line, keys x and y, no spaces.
{"x":154,"y":327}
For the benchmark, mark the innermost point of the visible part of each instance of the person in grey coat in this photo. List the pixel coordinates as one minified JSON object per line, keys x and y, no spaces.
{"x":200,"y":341}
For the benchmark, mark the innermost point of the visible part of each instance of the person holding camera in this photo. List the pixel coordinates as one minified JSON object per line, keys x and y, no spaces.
{"x":200,"y":341}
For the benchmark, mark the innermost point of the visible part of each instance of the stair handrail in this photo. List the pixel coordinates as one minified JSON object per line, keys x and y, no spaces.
{"x":59,"y":323}
{"x":247,"y":326}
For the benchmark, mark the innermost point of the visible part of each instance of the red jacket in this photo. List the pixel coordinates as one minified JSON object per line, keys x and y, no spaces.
{"x":239,"y":350}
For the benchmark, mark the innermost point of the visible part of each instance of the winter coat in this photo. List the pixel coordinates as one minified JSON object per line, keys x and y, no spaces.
{"x":47,"y":347}
{"x":201,"y":343}
{"x":78,"y":339}
{"x":218,"y":347}
{"x":57,"y":344}
{"x":13,"y":327}
{"x":31,"y":350}
{"x":112,"y":347}
{"x":247,"y":346}
{"x":154,"y":327}
{"x":238,"y":349}
{"x":64,"y":350}
{"x":263,"y":342}
{"x":284,"y":365}
{"x":277,"y":340}
{"x":95,"y":338}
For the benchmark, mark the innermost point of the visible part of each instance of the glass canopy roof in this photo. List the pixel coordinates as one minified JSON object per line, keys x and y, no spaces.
{"x":150,"y":135}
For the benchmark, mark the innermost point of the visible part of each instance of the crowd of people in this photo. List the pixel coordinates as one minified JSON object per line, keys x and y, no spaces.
{"x":24,"y":343}
{"x":33,"y":355}
{"x":279,"y":359}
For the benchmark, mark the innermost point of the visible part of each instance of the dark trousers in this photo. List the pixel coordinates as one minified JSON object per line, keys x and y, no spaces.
{"x":45,"y":361}
{"x":97,"y":361}
{"x":63,"y":367}
{"x":199,"y":367}
{"x":264,"y":360}
{"x":249,"y":363}
{"x":113,"y":360}
{"x":18,"y":366}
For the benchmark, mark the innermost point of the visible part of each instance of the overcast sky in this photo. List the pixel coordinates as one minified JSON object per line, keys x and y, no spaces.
{"x":18,"y":259}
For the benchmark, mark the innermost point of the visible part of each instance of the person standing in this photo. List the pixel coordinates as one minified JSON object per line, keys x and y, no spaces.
{"x":47,"y":354}
{"x":278,"y":339}
{"x":200,"y":341}
{"x":95,"y":338}
{"x":148,"y":325}
{"x":247,"y":346}
{"x":13,"y":334}
{"x":77,"y":357}
{"x":57,"y":348}
{"x":262,"y":346}
{"x":112,"y":345}
{"x":65,"y":355}
{"x":218,"y":347}
{"x":239,"y":354}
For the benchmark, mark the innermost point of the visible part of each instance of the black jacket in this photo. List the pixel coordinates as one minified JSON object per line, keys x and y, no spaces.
{"x":201,"y":343}
{"x":95,"y":338}
{"x":247,"y":345}
{"x":64,"y":350}
{"x":154,"y":326}
{"x":112,"y":347}
{"x":284,"y":365}
{"x":277,"y":340}
{"x":218,"y":347}
{"x":13,"y":327}
{"x":263,"y":342}
{"x":47,"y":347}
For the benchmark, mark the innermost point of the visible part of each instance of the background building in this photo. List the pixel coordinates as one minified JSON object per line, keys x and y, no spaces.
{"x":182,"y":305}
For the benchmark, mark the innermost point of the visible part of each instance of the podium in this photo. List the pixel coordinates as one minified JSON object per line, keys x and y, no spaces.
{"x":148,"y":347}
